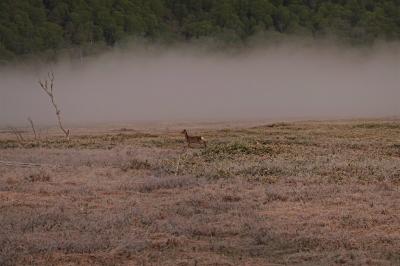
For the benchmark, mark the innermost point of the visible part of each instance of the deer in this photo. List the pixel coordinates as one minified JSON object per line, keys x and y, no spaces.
{"x":194,"y":139}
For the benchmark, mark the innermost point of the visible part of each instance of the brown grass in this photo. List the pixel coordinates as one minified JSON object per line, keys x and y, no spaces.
{"x":310,"y":193}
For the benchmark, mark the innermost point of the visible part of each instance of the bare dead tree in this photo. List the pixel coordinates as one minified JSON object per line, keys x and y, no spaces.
{"x":33,"y":127}
{"x":48,"y":87}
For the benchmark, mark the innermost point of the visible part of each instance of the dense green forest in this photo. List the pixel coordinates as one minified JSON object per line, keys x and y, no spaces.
{"x":34,"y":26}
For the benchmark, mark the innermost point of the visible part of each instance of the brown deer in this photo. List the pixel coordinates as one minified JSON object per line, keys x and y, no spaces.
{"x":194,"y":139}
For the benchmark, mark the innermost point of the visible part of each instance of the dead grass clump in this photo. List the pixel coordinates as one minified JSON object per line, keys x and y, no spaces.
{"x":9,"y":144}
{"x":394,"y":150}
{"x":355,"y":221}
{"x":275,"y":125}
{"x":156,"y":183}
{"x":231,"y":198}
{"x":121,"y":137}
{"x":199,"y":226}
{"x":165,"y":143}
{"x":105,"y":141}
{"x":214,"y":204}
{"x":8,"y":251}
{"x":264,"y":239}
{"x":23,"y":220}
{"x":217,"y":173}
{"x":395,"y":177}
{"x":274,"y":194}
{"x":226,"y":150}
{"x":382,"y":125}
{"x":40,"y":176}
{"x":265,"y":169}
{"x":167,"y":168}
{"x":135,"y":164}
{"x":298,"y":140}
{"x":124,"y":129}
{"x":129,"y":246}
{"x":28,"y":232}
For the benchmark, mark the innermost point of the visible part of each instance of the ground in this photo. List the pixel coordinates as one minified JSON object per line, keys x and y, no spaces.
{"x":297,"y":193}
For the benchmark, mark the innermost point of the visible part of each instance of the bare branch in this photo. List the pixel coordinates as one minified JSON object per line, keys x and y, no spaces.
{"x":48,"y":87}
{"x":18,"y":134}
{"x":32,"y":126}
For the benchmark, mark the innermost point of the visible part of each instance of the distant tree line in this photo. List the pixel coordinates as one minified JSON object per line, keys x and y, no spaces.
{"x":33,"y":26}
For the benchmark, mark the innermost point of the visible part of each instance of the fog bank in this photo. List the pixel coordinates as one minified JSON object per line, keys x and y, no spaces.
{"x":178,"y":84}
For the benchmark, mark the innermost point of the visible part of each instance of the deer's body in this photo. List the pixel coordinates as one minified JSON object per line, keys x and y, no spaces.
{"x":194,"y":139}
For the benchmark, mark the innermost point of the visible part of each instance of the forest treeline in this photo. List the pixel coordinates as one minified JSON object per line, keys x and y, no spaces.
{"x":34,"y":26}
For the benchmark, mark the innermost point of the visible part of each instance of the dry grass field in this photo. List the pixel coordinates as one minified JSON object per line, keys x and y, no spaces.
{"x":296,"y":193}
